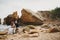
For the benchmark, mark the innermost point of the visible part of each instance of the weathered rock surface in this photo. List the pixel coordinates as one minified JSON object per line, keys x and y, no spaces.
{"x":0,"y":20}
{"x":3,"y":37}
{"x":44,"y":15}
{"x":30,"y":17}
{"x":3,"y":32}
{"x":11,"y":17}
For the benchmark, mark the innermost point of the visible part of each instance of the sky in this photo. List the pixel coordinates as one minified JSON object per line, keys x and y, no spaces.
{"x":9,"y":6}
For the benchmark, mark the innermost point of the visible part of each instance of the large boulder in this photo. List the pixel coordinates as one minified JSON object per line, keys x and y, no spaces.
{"x":30,"y":18}
{"x":15,"y":15}
{"x":3,"y":32}
{"x":0,"y":20}
{"x":11,"y":17}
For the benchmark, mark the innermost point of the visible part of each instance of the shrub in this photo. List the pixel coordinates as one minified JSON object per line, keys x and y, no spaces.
{"x":55,"y":13}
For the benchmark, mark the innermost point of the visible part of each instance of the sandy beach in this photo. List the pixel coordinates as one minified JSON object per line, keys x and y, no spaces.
{"x":41,"y":36}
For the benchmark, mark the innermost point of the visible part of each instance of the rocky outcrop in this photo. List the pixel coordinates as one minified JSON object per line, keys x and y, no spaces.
{"x":3,"y":32}
{"x":11,"y":17}
{"x":44,"y":15}
{"x":29,"y":17}
{"x":0,"y":20}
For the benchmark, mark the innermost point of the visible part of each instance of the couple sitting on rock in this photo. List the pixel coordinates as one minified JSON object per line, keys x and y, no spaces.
{"x":13,"y":28}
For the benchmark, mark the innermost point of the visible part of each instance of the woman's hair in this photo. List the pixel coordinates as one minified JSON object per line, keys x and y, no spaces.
{"x":12,"y":22}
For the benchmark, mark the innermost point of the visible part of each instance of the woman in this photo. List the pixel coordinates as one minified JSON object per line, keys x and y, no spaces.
{"x":12,"y":29}
{"x":13,"y":26}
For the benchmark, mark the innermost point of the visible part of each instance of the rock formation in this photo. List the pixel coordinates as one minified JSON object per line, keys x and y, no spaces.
{"x":29,"y":17}
{"x":11,"y":17}
{"x":44,"y":15}
{"x":0,"y":20}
